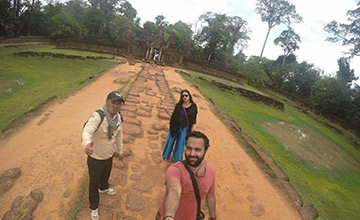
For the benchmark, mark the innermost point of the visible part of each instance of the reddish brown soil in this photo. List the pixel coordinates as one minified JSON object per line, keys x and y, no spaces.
{"x":48,"y":151}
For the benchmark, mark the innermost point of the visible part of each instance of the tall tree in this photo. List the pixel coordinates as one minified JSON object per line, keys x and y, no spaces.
{"x":345,"y":74}
{"x":276,"y":12}
{"x":348,"y":34}
{"x":221,"y":34}
{"x":288,"y":41}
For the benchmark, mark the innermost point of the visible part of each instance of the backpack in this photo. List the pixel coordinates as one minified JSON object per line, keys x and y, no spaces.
{"x":102,"y":116}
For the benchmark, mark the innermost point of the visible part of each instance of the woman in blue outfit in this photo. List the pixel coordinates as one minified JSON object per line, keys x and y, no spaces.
{"x":182,"y":120}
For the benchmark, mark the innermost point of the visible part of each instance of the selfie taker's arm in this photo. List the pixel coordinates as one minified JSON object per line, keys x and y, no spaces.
{"x":173,"y":192}
{"x":211,"y":202}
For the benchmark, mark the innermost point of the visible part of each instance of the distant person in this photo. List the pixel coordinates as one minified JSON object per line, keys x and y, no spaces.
{"x":156,"y":58}
{"x":102,"y":139}
{"x":179,"y":201}
{"x":182,"y":120}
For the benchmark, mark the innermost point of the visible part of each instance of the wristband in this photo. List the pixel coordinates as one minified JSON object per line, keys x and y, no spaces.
{"x":168,"y":216}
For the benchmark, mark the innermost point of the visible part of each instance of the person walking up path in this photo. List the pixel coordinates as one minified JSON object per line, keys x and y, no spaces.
{"x":182,"y":121}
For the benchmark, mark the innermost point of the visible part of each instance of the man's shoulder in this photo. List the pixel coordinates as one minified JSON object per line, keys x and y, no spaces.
{"x":177,"y":165}
{"x":210,"y":170}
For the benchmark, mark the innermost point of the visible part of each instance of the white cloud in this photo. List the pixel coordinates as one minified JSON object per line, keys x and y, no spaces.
{"x":316,"y":14}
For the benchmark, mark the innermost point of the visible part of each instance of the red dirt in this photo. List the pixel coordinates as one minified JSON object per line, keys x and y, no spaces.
{"x":48,"y":151}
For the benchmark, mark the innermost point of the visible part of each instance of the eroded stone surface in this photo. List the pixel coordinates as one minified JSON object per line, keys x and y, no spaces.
{"x":128,"y":114}
{"x":128,"y":139}
{"x":132,"y":129}
{"x":37,"y":195}
{"x":141,"y":186}
{"x":146,"y":108}
{"x":153,"y":145}
{"x":157,"y":127}
{"x":134,"y":202}
{"x":131,"y":108}
{"x":132,"y":121}
{"x":135,"y":177}
{"x":257,"y":210}
{"x":152,"y":132}
{"x":153,"y":137}
{"x":164,"y":116}
{"x":12,"y":173}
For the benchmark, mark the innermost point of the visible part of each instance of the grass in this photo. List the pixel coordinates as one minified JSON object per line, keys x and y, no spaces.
{"x":80,"y":202}
{"x":26,"y":82}
{"x":335,"y":194}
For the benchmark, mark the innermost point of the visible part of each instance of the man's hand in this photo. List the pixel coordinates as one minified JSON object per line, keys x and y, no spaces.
{"x":89,"y":149}
{"x":118,"y":155}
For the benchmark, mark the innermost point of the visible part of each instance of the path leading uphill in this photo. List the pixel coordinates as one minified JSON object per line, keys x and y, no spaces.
{"x":48,"y":151}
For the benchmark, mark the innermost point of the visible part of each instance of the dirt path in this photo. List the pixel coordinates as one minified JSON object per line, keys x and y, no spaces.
{"x":48,"y":151}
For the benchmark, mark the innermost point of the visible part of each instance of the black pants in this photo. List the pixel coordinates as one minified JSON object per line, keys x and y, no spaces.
{"x":99,"y":172}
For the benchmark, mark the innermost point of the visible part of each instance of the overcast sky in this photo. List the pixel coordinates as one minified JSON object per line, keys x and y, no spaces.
{"x":316,"y":14}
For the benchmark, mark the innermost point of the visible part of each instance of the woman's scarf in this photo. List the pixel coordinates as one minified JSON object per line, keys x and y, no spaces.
{"x":112,"y":122}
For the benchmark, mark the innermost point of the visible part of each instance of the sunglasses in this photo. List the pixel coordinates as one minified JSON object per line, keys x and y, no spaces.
{"x":184,"y":95}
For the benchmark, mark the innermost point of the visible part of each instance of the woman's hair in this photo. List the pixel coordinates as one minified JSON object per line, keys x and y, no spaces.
{"x":190,"y":97}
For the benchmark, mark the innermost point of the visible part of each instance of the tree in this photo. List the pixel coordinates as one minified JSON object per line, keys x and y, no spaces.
{"x":255,"y":69}
{"x":276,"y":12}
{"x":345,"y":75}
{"x":330,"y":97}
{"x":127,"y":10}
{"x":64,"y":25}
{"x":348,"y":34}
{"x":288,"y":41}
{"x":6,"y":19}
{"x":160,"y":21}
{"x":181,"y":33}
{"x":300,"y":79}
{"x":33,"y":20}
{"x":100,"y":16}
{"x":221,"y":34}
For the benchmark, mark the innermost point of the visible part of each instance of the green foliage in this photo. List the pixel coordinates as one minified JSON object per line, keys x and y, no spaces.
{"x":300,"y":79}
{"x":148,"y":33}
{"x":6,"y":19}
{"x":330,"y":97}
{"x":160,"y":21}
{"x":127,"y":10}
{"x":288,"y":41}
{"x":345,"y":74}
{"x":220,"y":35}
{"x":348,"y":34}
{"x":254,"y":70}
{"x":334,"y":194}
{"x":64,"y":25}
{"x":181,"y":33}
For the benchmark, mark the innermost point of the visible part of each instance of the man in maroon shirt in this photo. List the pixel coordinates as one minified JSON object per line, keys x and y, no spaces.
{"x":179,"y":202}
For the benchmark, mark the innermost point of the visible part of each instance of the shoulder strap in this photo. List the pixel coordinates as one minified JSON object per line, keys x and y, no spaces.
{"x":102,"y":116}
{"x":195,"y":186}
{"x":186,"y":116}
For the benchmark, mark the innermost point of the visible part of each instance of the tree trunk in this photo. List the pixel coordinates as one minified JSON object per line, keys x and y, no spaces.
{"x":30,"y":15}
{"x":209,"y":57}
{"x":283,"y":62}
{"x":17,"y":19}
{"x":267,"y":35}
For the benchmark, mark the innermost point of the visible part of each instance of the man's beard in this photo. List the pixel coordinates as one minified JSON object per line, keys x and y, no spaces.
{"x":196,"y":163}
